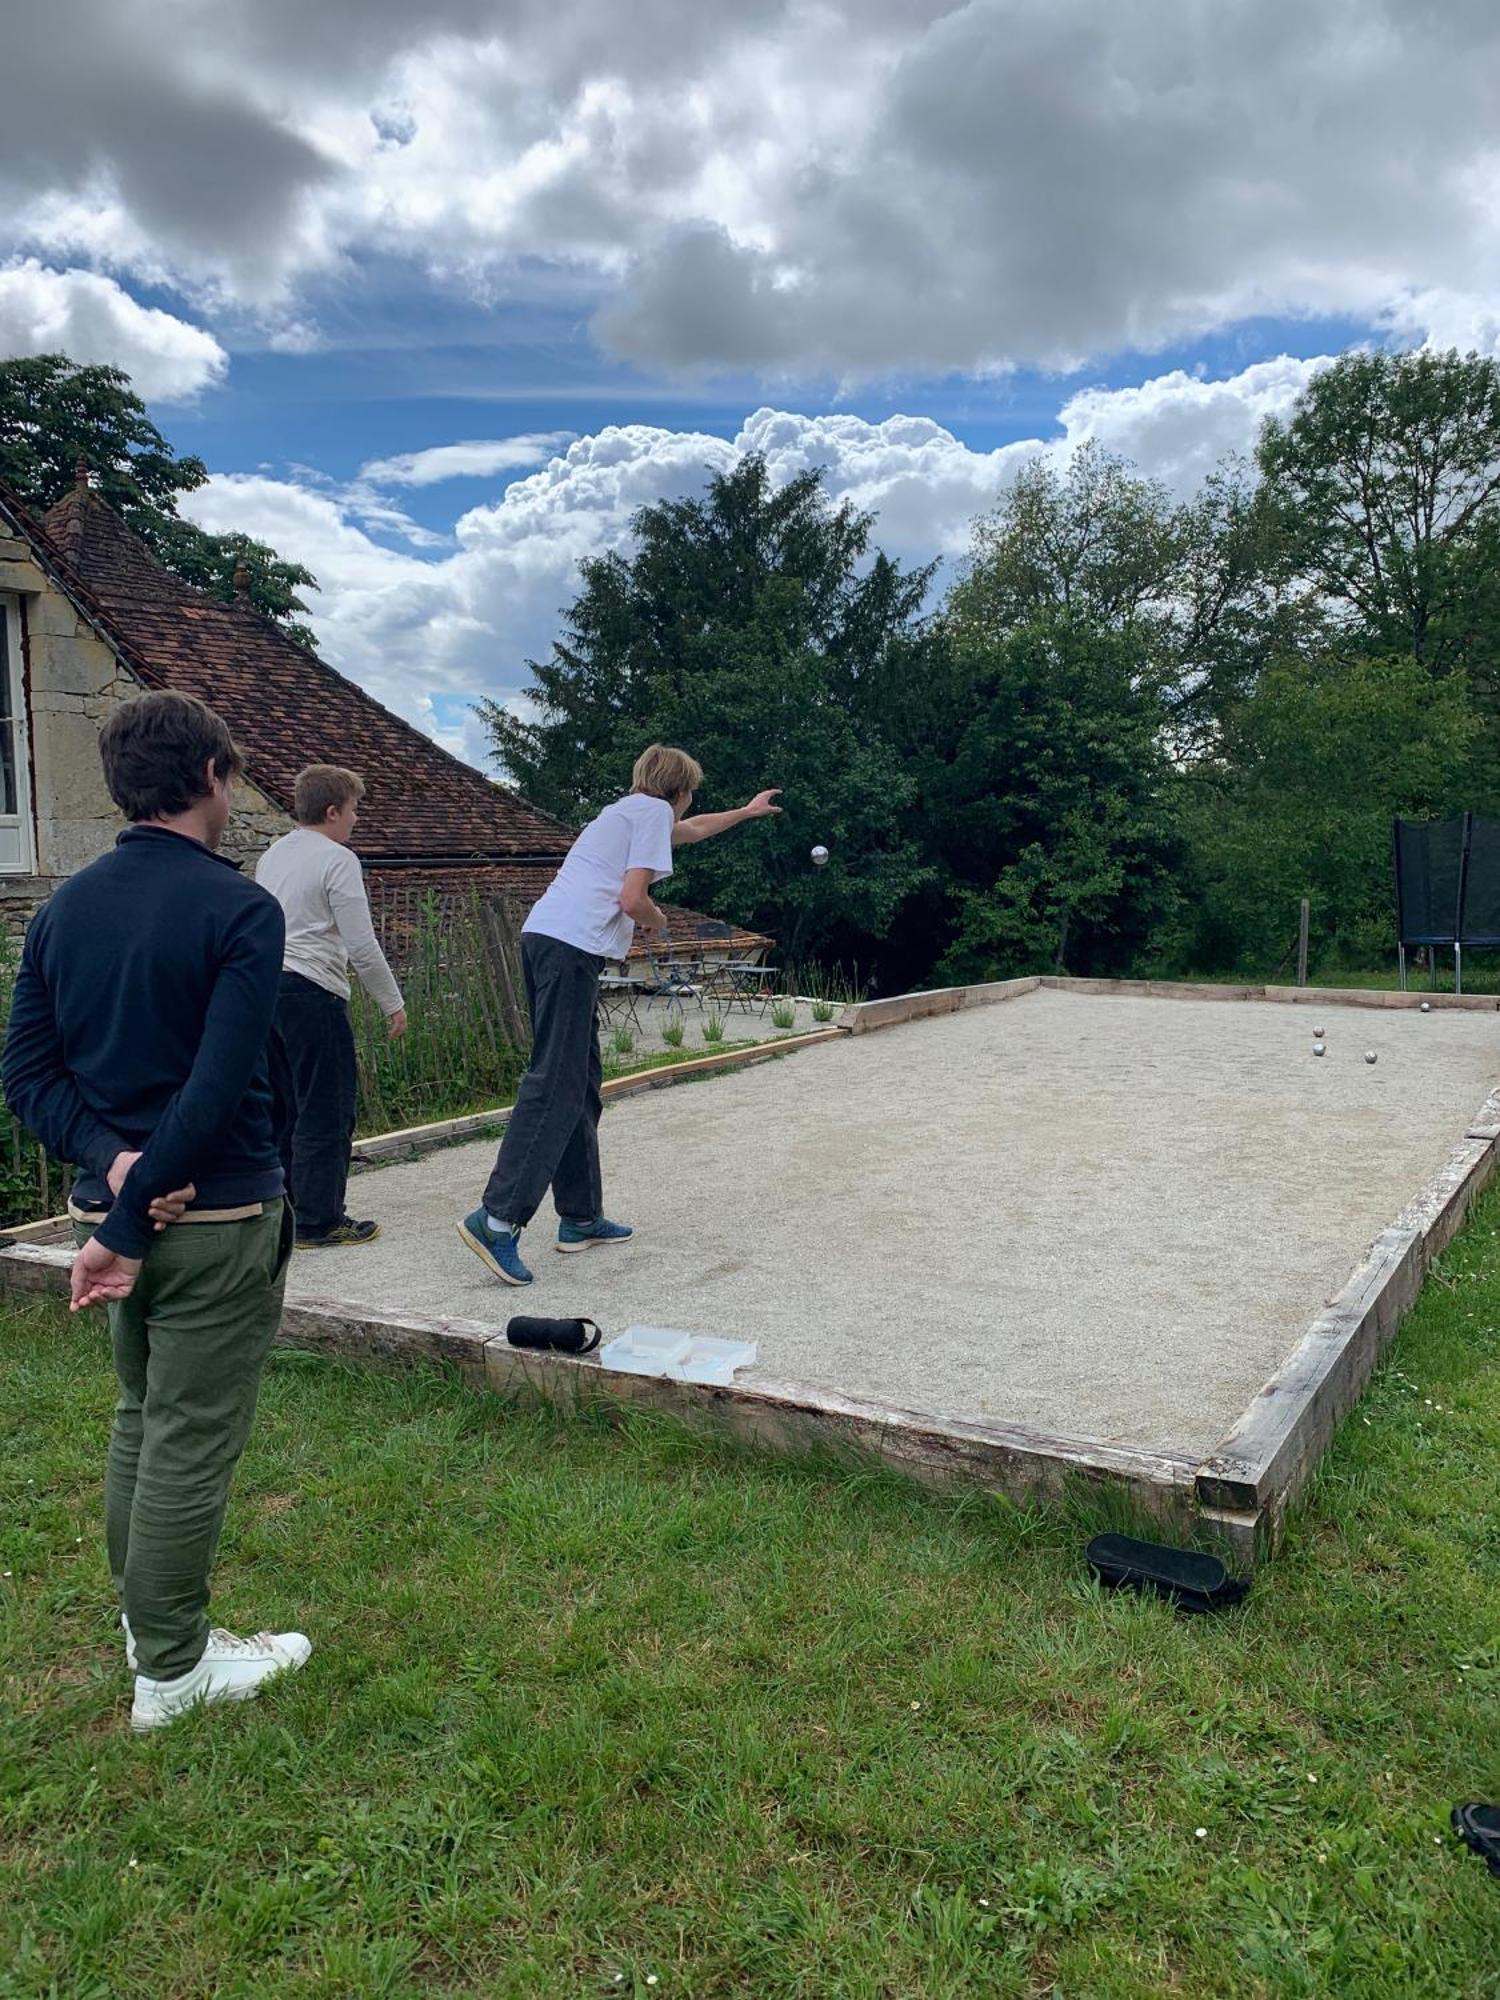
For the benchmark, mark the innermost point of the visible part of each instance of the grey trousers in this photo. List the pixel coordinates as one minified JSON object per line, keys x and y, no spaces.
{"x":552,"y":1138}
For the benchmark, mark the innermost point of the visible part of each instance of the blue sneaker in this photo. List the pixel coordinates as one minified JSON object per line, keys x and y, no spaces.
{"x":496,"y":1249}
{"x":584,"y":1235}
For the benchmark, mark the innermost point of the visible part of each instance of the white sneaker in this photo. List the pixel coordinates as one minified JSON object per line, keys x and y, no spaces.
{"x":231,"y":1669}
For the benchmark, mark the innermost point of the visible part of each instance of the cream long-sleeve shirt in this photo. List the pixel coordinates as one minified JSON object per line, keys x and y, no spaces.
{"x":321,"y":888}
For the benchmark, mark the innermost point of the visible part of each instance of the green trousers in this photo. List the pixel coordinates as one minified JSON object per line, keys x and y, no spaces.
{"x":190,"y":1346}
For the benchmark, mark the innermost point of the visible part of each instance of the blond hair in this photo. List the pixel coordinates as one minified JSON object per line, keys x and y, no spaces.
{"x":320,"y":787}
{"x":664,"y":773}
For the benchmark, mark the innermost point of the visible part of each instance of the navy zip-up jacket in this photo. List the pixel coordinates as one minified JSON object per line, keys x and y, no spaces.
{"x":139,"y":1023}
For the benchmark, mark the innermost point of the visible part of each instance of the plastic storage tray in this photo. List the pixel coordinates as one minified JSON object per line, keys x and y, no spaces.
{"x":681,"y":1357}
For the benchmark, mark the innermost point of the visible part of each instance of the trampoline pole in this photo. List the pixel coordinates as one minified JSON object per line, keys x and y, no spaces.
{"x":1458,"y":966}
{"x":1401,"y":965}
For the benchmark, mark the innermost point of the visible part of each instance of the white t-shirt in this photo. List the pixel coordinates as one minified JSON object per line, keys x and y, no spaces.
{"x":582,"y":905}
{"x":321,"y":887}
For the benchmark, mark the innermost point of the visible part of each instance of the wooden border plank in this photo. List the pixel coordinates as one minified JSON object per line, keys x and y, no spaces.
{"x":1263,"y":1462}
{"x":413,"y":1140}
{"x":1152,"y":989}
{"x":783,"y":1416}
{"x":900,"y":1007}
{"x":36,"y":1232}
{"x":1385,"y":997}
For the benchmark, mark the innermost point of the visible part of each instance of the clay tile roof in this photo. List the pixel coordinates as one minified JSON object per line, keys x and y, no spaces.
{"x":286,"y":708}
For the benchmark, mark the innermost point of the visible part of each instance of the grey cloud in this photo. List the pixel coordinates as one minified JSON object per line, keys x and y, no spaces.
{"x":86,"y":96}
{"x":861,"y":188}
{"x":1045,"y":184}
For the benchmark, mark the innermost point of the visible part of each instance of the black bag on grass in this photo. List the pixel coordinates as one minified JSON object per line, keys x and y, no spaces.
{"x":1190,"y":1581}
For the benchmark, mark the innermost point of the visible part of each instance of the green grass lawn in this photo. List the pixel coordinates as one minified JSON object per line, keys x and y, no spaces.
{"x":604,"y":1711}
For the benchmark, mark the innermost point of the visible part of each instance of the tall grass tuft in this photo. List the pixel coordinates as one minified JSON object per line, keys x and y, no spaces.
{"x":459,"y":1052}
{"x":32,"y":1186}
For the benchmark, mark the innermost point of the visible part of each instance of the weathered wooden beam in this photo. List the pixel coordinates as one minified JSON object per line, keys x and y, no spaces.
{"x":871,"y":1014}
{"x":413,"y":1140}
{"x":47,"y":1230}
{"x":1154,"y":989}
{"x":782,"y":1416}
{"x":1263,"y":1463}
{"x":1360,"y":996}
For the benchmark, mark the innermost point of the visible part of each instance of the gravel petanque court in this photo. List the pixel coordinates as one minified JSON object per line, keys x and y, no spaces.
{"x":1099,"y":1217}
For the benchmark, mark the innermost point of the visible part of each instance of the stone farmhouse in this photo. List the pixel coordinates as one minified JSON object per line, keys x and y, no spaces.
{"x":89,"y":617}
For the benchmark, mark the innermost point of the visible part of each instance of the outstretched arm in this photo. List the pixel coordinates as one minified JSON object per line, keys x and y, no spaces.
{"x":703,"y":826}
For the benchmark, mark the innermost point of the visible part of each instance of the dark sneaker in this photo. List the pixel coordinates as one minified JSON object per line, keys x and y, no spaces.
{"x":496,"y":1249}
{"x":584,"y":1235}
{"x":343,"y":1234}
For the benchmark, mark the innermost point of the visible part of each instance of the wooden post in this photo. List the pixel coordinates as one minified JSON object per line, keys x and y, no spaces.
{"x":1302,"y":942}
{"x":505,"y":953}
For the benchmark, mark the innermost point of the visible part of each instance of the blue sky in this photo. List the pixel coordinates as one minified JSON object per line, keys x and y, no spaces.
{"x":427,"y":370}
{"x":606,"y":249}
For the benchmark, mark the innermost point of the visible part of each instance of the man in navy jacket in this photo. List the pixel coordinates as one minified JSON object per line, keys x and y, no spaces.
{"x":137,"y":1049}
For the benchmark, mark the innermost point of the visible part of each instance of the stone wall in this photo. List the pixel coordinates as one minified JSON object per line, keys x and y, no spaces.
{"x":21,"y":896}
{"x":73,"y":682}
{"x":253,"y":825}
{"x":74,"y":679}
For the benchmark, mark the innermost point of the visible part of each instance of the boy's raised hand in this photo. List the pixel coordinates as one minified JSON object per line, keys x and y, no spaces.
{"x":764,"y":803}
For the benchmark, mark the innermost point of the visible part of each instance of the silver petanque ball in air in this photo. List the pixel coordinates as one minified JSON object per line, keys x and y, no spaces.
{"x":1370,"y":1056}
{"x":1426,"y":1006}
{"x":819,"y":856}
{"x":1320,"y":1048}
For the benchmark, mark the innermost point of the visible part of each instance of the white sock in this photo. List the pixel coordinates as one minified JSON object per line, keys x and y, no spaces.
{"x":498,"y":1228}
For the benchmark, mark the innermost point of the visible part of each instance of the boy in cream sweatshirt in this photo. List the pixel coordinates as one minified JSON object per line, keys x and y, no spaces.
{"x":321,"y":889}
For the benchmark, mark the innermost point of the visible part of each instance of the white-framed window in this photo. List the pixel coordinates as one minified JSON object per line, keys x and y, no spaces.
{"x":16,"y":855}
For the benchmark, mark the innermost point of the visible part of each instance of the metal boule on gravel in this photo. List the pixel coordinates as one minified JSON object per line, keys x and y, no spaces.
{"x":1370,"y":1056}
{"x":1320,"y":1048}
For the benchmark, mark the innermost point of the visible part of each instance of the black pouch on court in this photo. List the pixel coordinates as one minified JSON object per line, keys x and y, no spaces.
{"x":561,"y":1336}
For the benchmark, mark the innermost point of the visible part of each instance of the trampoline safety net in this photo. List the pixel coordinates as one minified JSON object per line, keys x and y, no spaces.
{"x":1429,"y":878}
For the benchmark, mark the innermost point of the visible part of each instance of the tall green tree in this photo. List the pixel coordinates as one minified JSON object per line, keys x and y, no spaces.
{"x":751,"y":626}
{"x":1314,"y":767}
{"x":1045,"y":802}
{"x":54,"y":412}
{"x":1201,"y":587}
{"x":1386,"y":484}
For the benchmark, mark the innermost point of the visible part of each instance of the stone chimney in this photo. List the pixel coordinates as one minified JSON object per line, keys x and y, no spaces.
{"x":241,"y":583}
{"x":81,"y":475}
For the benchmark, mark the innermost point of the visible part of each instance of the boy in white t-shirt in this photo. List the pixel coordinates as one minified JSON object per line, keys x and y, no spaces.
{"x":586,"y":918}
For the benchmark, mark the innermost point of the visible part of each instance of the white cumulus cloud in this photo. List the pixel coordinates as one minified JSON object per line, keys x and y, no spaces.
{"x":92,"y":319}
{"x":430,"y":635}
{"x":470,"y":458}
